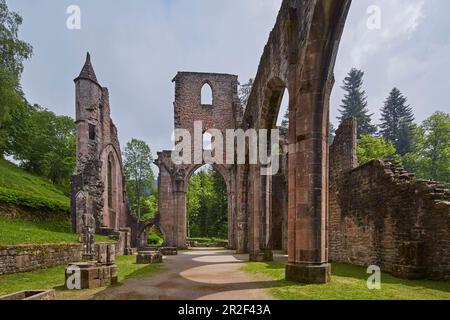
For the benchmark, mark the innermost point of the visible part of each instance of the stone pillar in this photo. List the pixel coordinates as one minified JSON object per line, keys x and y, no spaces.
{"x":308,"y":183}
{"x":241,"y":210}
{"x":166,"y":198}
{"x":232,"y":221}
{"x":181,"y":222}
{"x":256,"y":211}
{"x":253,"y":211}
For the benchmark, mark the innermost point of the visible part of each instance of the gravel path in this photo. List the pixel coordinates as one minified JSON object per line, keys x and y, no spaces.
{"x":201,"y":274}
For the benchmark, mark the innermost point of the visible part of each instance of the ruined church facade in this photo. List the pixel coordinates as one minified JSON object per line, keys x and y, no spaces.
{"x":98,"y":184}
{"x":320,"y":207}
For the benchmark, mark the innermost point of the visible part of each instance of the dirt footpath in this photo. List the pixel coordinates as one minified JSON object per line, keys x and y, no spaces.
{"x":201,"y":274}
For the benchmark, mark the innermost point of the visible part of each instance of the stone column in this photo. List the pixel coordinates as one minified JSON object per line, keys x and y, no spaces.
{"x":241,"y":210}
{"x":253,"y":212}
{"x":256,"y":211}
{"x":232,"y":221}
{"x":308,"y":184}
{"x":180,"y":226}
{"x":181,"y":222}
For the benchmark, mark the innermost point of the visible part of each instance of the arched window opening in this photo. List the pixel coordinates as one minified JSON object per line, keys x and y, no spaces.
{"x":207,"y":95}
{"x":110,"y":184}
{"x":207,"y":208}
{"x":283,"y":115}
{"x":207,"y":141}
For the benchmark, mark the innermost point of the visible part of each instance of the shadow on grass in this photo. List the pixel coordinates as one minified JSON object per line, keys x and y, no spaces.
{"x":355,"y":272}
{"x":359,"y":273}
{"x":142,"y":272}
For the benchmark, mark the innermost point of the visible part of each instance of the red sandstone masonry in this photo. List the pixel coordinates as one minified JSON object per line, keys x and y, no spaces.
{"x":382,"y":215}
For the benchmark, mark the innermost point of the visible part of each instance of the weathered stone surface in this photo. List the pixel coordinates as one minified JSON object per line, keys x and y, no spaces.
{"x":169,"y":251}
{"x":98,"y":185}
{"x":93,"y":275}
{"x":311,"y":274}
{"x":24,"y":258}
{"x":30,"y":296}
{"x":265,"y":255}
{"x":299,"y":57}
{"x":224,"y":113}
{"x":382,"y":215}
{"x":149,"y":257}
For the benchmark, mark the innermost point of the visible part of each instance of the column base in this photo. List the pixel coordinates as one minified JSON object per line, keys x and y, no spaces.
{"x":265,"y":255}
{"x":309,"y":273}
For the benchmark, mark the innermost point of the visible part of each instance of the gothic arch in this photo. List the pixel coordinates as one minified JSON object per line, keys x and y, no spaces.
{"x":114,"y":208}
{"x":299,"y":57}
{"x":207,"y":93}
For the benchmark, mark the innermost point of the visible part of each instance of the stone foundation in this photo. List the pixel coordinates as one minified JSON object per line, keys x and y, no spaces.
{"x":309,"y":274}
{"x":92,"y":275}
{"x":266,"y":255}
{"x":169,"y":251}
{"x":151,"y":257}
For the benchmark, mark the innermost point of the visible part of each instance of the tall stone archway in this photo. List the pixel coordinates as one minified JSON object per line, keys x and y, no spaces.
{"x":301,"y":52}
{"x":299,"y":57}
{"x":224,"y":113}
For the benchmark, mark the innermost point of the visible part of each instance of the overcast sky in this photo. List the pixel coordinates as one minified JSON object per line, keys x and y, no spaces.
{"x":137,"y":47}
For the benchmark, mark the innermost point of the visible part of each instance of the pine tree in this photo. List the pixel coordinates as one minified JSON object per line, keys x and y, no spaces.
{"x":331,"y":133}
{"x":285,"y":121}
{"x":397,"y":122}
{"x":354,"y":104}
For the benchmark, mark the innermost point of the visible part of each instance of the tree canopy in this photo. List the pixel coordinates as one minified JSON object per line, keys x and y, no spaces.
{"x":138,"y":161}
{"x":397,"y":122}
{"x":13,"y":52}
{"x":207,"y":205}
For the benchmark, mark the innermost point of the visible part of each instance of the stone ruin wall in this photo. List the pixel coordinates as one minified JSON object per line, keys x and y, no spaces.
{"x":30,"y":257}
{"x":224,"y":113}
{"x":98,"y":185}
{"x":382,"y":215}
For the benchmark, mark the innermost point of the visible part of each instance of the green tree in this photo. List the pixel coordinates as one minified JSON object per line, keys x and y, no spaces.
{"x":43,"y":143}
{"x":372,"y":148}
{"x":430,"y":158}
{"x":207,"y":205}
{"x":285,"y":121}
{"x":397,"y":122}
{"x":138,"y":161}
{"x":437,"y":145}
{"x":331,"y":133}
{"x":354,"y":104}
{"x":12,"y":54}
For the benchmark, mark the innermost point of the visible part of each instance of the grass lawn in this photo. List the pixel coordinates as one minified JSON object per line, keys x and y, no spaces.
{"x":53,"y":278}
{"x":348,"y":283}
{"x":17,"y":231}
{"x":22,"y":188}
{"x":206,"y":241}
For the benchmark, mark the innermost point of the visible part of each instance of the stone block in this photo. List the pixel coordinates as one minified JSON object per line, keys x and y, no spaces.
{"x":308,"y":274}
{"x":169,"y":251}
{"x":111,"y":254}
{"x":151,"y":257}
{"x":30,"y":296}
{"x":266,"y":255}
{"x":94,"y":275}
{"x":102,"y":253}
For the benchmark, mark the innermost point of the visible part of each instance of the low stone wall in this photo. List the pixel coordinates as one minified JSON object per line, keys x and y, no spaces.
{"x":23,"y":258}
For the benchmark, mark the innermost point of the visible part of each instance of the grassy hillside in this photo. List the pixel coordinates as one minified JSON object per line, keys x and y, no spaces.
{"x":21,"y":188}
{"x":20,"y":231}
